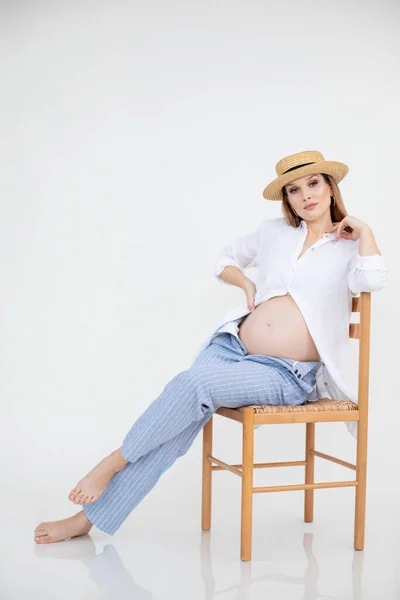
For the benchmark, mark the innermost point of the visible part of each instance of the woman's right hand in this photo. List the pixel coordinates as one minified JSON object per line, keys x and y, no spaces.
{"x":250,"y":290}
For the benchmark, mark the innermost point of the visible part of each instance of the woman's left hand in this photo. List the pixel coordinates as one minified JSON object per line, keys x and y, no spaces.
{"x":351,"y":223}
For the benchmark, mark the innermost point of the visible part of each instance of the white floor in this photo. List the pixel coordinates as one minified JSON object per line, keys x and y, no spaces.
{"x":160,"y":552}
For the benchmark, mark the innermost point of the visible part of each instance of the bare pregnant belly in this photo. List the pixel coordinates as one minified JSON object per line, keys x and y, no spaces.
{"x":277,"y":328}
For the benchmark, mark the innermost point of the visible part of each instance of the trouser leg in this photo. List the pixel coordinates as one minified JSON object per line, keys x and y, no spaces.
{"x":129,"y":486}
{"x":184,"y":400}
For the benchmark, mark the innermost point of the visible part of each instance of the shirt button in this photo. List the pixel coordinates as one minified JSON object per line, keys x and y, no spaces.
{"x":296,"y":371}
{"x":299,"y":375}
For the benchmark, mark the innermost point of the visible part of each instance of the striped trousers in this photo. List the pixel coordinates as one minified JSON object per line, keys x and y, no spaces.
{"x":223,"y":374}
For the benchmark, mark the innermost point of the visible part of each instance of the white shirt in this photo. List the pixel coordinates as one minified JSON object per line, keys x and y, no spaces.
{"x":322,"y":282}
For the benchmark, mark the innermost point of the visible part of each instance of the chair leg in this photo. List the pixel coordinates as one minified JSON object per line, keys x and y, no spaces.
{"x":206,"y":476}
{"x":309,"y":494}
{"x":247,"y":483}
{"x":361,"y":488}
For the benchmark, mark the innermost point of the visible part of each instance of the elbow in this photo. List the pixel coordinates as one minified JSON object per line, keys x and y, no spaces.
{"x":221,"y":264}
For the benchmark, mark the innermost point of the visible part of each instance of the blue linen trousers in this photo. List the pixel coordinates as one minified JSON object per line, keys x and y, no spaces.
{"x":223,"y":374}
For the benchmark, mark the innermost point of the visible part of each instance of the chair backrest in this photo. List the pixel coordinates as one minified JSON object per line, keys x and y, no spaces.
{"x":361,"y":331}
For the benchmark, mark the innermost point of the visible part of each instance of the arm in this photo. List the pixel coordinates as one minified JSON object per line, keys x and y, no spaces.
{"x":233,"y":276}
{"x":367,"y":243}
{"x":367,"y":269}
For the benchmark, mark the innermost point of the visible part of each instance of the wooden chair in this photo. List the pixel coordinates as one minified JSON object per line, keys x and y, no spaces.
{"x":324,"y":410}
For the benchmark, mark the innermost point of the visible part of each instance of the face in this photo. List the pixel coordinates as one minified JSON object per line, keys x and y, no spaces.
{"x":311,"y":189}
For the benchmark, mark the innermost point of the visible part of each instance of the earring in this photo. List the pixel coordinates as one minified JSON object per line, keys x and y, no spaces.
{"x":295,"y":212}
{"x":334,"y":200}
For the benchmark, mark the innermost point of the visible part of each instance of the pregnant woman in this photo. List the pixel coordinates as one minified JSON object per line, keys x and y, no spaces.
{"x":269,"y":350}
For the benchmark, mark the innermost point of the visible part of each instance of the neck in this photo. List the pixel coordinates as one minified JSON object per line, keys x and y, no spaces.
{"x":320,"y":226}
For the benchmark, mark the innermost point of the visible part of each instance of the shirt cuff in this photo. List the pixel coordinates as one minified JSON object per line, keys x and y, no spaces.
{"x":374,"y":262}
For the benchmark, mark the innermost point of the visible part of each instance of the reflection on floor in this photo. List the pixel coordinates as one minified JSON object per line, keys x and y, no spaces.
{"x":166,"y":556}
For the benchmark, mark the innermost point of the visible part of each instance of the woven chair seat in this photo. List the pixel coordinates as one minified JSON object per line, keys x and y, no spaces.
{"x":316,"y":406}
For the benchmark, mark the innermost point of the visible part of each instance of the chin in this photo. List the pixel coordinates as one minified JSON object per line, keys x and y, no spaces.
{"x":312,"y":215}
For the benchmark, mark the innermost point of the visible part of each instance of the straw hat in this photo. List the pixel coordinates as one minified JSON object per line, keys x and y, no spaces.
{"x":298,"y":165}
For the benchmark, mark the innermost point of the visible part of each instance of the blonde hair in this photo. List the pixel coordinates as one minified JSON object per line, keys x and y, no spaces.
{"x":338,"y":212}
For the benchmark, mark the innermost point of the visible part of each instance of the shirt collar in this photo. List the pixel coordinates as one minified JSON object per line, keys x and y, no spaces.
{"x":331,"y":235}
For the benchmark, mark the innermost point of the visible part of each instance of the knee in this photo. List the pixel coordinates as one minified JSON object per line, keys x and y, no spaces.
{"x":193,"y":384}
{"x":192,"y":378}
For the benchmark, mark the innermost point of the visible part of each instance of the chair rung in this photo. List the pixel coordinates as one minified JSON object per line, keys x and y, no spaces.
{"x":296,"y":463}
{"x":224,"y":466}
{"x":333,"y":459}
{"x":304,"y":486}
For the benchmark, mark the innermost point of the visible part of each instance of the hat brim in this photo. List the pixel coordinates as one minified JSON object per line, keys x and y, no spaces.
{"x":337,"y":170}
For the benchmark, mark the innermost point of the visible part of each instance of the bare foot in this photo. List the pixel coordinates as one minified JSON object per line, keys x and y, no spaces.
{"x":55,"y":531}
{"x":90,"y":488}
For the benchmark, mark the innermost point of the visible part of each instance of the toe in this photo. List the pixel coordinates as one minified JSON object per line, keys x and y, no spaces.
{"x":40,"y":530}
{"x":42,"y":539}
{"x":78,"y":498}
{"x":89,"y":500}
{"x":73,"y":494}
{"x":83,"y":499}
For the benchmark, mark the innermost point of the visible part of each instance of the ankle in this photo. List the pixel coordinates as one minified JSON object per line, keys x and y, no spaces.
{"x":83,"y":518}
{"x":120,"y":461}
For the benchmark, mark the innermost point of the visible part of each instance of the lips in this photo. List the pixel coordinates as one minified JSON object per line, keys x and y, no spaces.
{"x":310,"y":206}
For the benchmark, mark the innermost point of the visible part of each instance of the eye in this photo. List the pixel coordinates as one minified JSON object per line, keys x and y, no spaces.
{"x":294,"y":189}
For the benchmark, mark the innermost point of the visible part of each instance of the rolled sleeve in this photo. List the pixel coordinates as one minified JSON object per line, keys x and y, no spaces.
{"x":242,"y":253}
{"x":367,"y":273}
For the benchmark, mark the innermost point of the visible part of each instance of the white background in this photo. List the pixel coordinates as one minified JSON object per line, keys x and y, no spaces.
{"x":136,"y":139}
